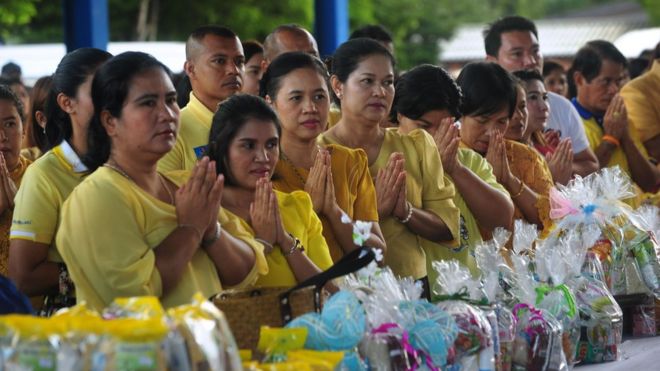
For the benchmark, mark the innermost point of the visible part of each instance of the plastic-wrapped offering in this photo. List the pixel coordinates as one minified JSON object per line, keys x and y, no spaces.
{"x":601,"y":321}
{"x":538,"y":342}
{"x":209,"y":343}
{"x":29,"y":343}
{"x":474,"y":343}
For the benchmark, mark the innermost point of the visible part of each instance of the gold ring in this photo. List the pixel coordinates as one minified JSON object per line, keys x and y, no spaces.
{"x":616,"y":115}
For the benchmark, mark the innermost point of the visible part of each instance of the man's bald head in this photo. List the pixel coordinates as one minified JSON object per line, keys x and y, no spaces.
{"x":194,"y":45}
{"x":289,"y":38}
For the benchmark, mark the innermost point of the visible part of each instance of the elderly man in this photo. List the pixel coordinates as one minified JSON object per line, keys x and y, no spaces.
{"x":595,"y":76}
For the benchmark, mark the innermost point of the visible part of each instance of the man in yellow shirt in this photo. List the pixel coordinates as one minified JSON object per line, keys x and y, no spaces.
{"x":642,"y":97}
{"x":215,"y":65}
{"x":595,"y":79}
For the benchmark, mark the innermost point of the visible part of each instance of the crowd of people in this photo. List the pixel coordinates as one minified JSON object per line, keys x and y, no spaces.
{"x":120,"y":179}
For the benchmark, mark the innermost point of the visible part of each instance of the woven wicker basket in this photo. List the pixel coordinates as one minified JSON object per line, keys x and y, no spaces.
{"x":248,"y":310}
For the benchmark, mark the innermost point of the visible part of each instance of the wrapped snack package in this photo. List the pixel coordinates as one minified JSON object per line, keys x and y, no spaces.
{"x":641,"y":234}
{"x":209,"y":343}
{"x":601,"y":321}
{"x":474,"y":343}
{"x":538,"y":344}
{"x":83,"y":330}
{"x":491,"y":261}
{"x":29,"y":343}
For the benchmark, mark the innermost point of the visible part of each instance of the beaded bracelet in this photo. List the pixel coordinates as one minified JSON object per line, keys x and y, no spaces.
{"x":520,"y":191}
{"x":409,"y":216}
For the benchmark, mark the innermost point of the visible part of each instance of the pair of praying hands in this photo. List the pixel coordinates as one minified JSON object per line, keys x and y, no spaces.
{"x":391,"y":188}
{"x":265,"y":217}
{"x":7,"y":186}
{"x":320,"y":186}
{"x":560,"y":162}
{"x":447,"y":138}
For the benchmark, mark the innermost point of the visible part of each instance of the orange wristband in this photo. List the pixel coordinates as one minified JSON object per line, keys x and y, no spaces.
{"x":612,"y":140}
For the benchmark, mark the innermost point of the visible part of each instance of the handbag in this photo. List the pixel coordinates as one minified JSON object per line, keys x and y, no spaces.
{"x":247,"y":310}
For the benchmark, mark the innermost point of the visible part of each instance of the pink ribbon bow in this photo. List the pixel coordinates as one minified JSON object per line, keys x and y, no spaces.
{"x":560,"y":206}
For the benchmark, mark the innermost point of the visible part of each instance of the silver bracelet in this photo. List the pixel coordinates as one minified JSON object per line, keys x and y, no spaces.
{"x":267,"y":245}
{"x":408,"y":217}
{"x":211,"y":241}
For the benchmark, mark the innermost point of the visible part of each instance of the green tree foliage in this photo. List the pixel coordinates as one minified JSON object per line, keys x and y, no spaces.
{"x":15,"y":13}
{"x":652,"y":8}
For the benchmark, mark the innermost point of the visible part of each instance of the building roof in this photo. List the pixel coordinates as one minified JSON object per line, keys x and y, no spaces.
{"x":559,"y":37}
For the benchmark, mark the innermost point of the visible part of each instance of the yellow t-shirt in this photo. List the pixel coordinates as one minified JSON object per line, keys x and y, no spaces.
{"x":192,"y":139}
{"x":470,"y":234}
{"x":642,"y":99}
{"x":299,"y":219}
{"x":426,"y":189}
{"x":109,"y":229}
{"x":45,"y":186}
{"x":354,"y":188}
{"x":595,"y":134}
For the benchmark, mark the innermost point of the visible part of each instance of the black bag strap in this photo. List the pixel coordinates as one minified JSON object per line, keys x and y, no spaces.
{"x":349,"y":263}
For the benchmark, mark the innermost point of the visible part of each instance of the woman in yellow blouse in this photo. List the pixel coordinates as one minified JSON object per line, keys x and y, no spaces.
{"x":489,"y":101}
{"x":428,"y":98}
{"x":34,"y":262}
{"x":245,"y":144}
{"x":414,"y":202}
{"x":128,"y":230}
{"x":336,"y":178}
{"x":12,"y":164}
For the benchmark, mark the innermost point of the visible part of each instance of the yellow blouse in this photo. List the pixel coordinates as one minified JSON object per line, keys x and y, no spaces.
{"x":299,"y":219}
{"x":109,"y":229}
{"x":354,"y":188}
{"x":426,"y":189}
{"x":5,"y":219}
{"x":531,"y":168}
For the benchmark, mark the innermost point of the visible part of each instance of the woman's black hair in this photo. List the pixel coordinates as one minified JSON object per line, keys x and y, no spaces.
{"x":73,"y":70}
{"x":348,"y":56}
{"x":281,"y":66}
{"x":230,"y":117}
{"x":110,"y":88}
{"x":38,"y":102}
{"x":487,"y":89}
{"x":528,"y":75}
{"x":423,"y":89}
{"x":7,"y":94}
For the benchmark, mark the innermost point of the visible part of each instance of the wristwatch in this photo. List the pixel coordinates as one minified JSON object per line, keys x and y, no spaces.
{"x":297,"y":245}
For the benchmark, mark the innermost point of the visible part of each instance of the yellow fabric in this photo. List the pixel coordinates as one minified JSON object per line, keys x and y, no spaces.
{"x":354,"y":188}
{"x":595,"y":134}
{"x":426,"y":189}
{"x":109,"y":229}
{"x":334,"y":115}
{"x":531,"y":168}
{"x":45,"y":186}
{"x":5,"y":219}
{"x":193,"y":137}
{"x":642,"y":99}
{"x":299,"y":219}
{"x":32,"y":153}
{"x":470,"y":234}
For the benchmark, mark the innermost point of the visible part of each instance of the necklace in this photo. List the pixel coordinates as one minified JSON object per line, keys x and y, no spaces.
{"x":160,"y":178}
{"x":293,"y":167}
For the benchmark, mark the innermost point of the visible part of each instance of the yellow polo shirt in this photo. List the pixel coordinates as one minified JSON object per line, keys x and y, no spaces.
{"x":192,"y":139}
{"x":642,"y":98}
{"x":109,"y":230}
{"x":426,"y":189}
{"x":45,"y":186}
{"x":299,"y":219}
